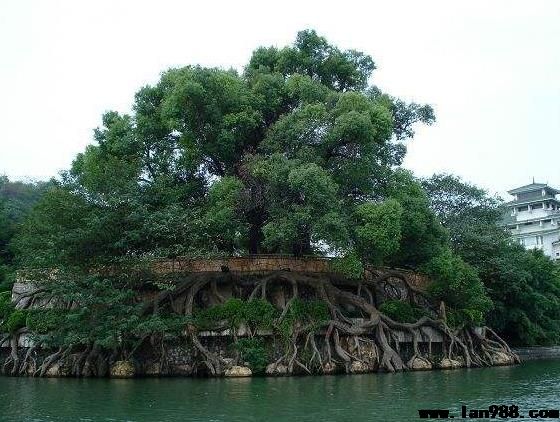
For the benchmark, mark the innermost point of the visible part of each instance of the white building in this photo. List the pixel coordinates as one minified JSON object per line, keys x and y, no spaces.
{"x":534,"y":218}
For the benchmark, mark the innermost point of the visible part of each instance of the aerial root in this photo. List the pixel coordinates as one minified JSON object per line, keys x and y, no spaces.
{"x":214,"y":363}
{"x":356,"y":337}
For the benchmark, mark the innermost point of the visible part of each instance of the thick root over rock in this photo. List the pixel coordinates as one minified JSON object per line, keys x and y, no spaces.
{"x":356,"y":337}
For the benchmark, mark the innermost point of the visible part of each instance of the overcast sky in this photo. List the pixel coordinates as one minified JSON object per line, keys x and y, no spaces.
{"x":491,"y":69}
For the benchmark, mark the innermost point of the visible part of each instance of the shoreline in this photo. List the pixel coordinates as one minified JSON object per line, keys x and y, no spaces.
{"x":537,"y":352}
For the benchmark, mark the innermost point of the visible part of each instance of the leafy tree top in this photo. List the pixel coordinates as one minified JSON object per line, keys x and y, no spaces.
{"x":296,"y":154}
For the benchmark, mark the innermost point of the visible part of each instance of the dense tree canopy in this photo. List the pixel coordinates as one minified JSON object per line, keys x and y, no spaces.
{"x":16,"y":200}
{"x":524,"y":285}
{"x":295,"y":155}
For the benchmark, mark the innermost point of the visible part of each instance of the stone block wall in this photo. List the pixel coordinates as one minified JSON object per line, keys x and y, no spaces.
{"x":534,"y":353}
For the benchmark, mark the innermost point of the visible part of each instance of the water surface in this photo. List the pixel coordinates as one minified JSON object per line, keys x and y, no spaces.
{"x":370,"y":397}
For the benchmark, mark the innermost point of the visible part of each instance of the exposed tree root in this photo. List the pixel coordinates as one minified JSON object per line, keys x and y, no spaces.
{"x":356,"y":338}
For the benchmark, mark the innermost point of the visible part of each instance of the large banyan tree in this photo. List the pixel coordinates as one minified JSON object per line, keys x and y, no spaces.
{"x":297,"y":155}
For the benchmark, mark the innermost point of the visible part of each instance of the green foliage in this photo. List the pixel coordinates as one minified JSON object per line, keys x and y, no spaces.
{"x":277,"y":159}
{"x":106,"y":317}
{"x":471,"y":216}
{"x":312,"y":314}
{"x":378,"y":230}
{"x":15,"y":320}
{"x":523,"y":285}
{"x":256,"y":313}
{"x":11,"y":319}
{"x":303,"y":205}
{"x":44,"y":321}
{"x":224,"y":224}
{"x":315,"y":311}
{"x":457,"y":318}
{"x":6,"y":306}
{"x":401,"y":311}
{"x":232,"y":311}
{"x":458,"y":285}
{"x":349,"y":265}
{"x":312,"y":55}
{"x":525,"y":288}
{"x":169,"y":326}
{"x":422,"y":236}
{"x":6,"y":277}
{"x":253,"y":352}
{"x":405,"y":116}
{"x":259,"y":313}
{"x":16,"y":200}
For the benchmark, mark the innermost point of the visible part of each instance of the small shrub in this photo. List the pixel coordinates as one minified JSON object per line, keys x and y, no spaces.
{"x":464,"y":317}
{"x":6,"y":306}
{"x":259,"y":313}
{"x":15,"y":320}
{"x":401,"y":311}
{"x":44,"y":321}
{"x":317,"y":311}
{"x":348,"y":265}
{"x":6,"y":279}
{"x":313,"y":312}
{"x":457,"y":284}
{"x":231,"y":311}
{"x":253,"y":351}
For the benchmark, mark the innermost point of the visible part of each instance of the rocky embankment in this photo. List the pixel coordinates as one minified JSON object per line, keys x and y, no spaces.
{"x":292,"y":317}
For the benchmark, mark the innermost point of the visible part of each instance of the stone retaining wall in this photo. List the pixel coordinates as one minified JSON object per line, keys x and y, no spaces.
{"x":257,"y":263}
{"x":245,"y":264}
{"x":268,"y":263}
{"x":534,"y":353}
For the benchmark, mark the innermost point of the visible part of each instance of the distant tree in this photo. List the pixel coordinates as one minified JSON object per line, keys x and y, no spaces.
{"x":524,"y":285}
{"x":16,"y":200}
{"x":525,"y":288}
{"x":471,"y":216}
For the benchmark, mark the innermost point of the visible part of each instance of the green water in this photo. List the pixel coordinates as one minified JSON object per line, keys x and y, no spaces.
{"x":371,"y":397}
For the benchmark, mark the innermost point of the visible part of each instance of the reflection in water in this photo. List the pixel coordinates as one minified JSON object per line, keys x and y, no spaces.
{"x":371,"y":397}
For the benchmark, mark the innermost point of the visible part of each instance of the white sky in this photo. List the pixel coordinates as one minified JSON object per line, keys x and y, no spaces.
{"x":491,"y":69}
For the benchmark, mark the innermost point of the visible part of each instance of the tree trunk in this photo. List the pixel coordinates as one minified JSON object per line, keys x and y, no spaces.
{"x":303,"y":245}
{"x":256,"y":220}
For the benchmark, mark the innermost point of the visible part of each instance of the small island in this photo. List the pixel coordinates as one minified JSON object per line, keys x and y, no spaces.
{"x":261,"y":223}
{"x":273,"y":315}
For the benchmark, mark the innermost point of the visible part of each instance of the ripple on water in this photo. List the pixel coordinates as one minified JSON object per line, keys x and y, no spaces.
{"x":369,"y":397}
